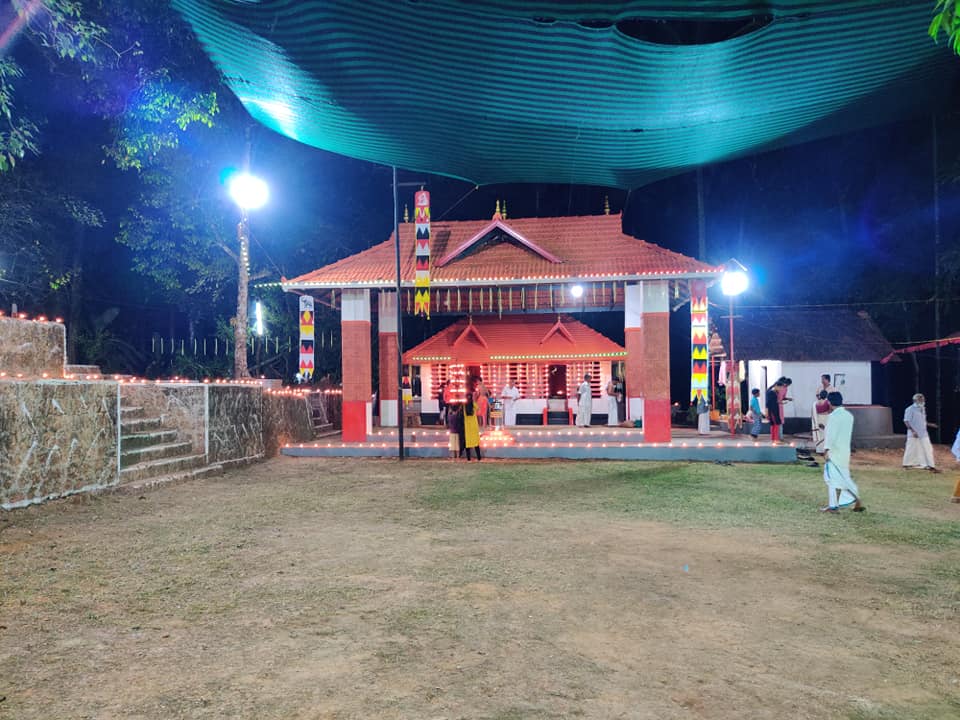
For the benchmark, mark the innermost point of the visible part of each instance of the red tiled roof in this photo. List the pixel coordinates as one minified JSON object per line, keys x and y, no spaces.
{"x":588,"y":247}
{"x":514,"y":338}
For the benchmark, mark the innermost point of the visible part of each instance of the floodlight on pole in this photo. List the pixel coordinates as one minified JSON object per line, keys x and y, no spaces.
{"x":733,"y":282}
{"x":249,"y":193}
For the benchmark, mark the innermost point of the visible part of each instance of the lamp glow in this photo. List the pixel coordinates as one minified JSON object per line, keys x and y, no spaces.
{"x":248,"y":191}
{"x":735,"y":279}
{"x":577,"y":291}
{"x":258,"y":314}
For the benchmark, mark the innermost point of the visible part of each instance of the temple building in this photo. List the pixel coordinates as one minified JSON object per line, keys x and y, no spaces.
{"x":515,"y":285}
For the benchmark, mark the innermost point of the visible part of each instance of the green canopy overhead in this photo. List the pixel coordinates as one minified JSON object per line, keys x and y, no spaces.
{"x":599,"y":93}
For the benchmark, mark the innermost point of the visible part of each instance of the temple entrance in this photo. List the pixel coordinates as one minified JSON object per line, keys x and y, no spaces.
{"x":557,"y":382}
{"x":473,"y":372}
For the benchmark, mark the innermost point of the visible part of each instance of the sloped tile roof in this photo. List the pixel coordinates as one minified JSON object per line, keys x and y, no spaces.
{"x":515,"y":338}
{"x":589,"y":247}
{"x":804,"y":335}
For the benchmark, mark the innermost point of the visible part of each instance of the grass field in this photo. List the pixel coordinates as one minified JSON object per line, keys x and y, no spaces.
{"x":309,"y":588}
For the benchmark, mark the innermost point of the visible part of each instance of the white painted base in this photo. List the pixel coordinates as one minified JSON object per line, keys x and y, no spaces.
{"x":388,"y":413}
{"x":635,"y":408}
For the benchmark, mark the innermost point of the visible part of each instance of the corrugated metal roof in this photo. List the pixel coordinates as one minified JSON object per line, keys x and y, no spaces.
{"x":589,"y":247}
{"x":497,"y":91}
{"x":804,"y":335}
{"x":515,"y":338}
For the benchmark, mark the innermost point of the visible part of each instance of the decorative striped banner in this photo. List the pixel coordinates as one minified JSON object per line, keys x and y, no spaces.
{"x":421,"y":281}
{"x":306,"y":337}
{"x":699,"y":341}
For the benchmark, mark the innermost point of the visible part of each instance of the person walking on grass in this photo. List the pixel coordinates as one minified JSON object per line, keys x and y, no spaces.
{"x":836,"y":467}
{"x":918,"y":452}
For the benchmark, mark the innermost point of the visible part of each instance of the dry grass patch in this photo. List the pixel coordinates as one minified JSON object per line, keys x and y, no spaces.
{"x":369,"y":588}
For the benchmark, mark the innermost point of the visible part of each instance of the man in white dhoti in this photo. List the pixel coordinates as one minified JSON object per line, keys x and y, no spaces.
{"x":918,"y":452}
{"x":509,"y":395}
{"x":841,"y":489}
{"x":585,"y":401}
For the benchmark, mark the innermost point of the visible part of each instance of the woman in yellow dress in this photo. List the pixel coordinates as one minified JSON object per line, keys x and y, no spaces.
{"x":471,"y":430}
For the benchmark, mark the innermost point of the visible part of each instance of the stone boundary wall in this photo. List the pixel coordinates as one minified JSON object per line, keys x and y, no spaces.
{"x":32,"y":349}
{"x":57,"y":438}
{"x":62,"y":437}
{"x":286,"y":419}
{"x":235,"y":425}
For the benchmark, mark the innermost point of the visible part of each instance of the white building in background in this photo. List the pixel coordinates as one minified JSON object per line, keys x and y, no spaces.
{"x":803,"y":344}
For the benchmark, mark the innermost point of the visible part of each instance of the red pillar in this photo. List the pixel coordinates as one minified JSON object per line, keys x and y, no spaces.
{"x":387,"y":340}
{"x":356,"y":364}
{"x":647,"y":339}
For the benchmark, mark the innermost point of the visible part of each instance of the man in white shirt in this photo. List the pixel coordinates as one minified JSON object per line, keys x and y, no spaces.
{"x":510,"y":394}
{"x":585,"y":399}
{"x":841,"y":488}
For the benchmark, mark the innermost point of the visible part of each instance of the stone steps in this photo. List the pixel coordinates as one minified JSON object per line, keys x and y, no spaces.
{"x":136,"y":425}
{"x":146,"y":439}
{"x":149,"y":453}
{"x":159,"y":468}
{"x":131,"y":413}
{"x":160,"y":480}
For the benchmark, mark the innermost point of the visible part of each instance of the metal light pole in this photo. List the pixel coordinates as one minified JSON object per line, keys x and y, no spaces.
{"x":733,"y":282}
{"x":249,"y":193}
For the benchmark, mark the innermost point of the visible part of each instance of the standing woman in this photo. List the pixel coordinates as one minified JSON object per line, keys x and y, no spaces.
{"x":482,"y":398}
{"x":774,"y":417}
{"x":471,"y":430}
{"x":585,"y":399}
{"x":612,"y":413}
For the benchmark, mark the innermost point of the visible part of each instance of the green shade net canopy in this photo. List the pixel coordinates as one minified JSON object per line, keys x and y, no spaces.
{"x":599,"y":93}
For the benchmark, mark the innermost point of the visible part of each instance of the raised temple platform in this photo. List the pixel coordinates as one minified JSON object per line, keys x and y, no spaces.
{"x":593,"y":443}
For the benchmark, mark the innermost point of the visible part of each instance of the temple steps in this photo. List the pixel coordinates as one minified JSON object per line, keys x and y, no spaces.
{"x":151,"y":454}
{"x":160,"y":480}
{"x":153,"y":469}
{"x":137,"y":425}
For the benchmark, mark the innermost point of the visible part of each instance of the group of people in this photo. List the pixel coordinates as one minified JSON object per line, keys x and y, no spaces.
{"x":833,"y":431}
{"x":465,"y":420}
{"x":614,"y":393}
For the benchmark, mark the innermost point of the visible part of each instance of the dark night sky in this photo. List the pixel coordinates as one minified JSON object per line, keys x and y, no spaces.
{"x":842,"y":220}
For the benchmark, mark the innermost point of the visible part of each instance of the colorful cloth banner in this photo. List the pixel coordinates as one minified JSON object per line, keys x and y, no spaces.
{"x":699,"y":341}
{"x":306,"y":337}
{"x":421,"y":282}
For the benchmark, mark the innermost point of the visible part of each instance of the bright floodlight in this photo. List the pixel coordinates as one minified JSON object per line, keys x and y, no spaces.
{"x":248,"y":192}
{"x":735,"y":279}
{"x":577,"y":291}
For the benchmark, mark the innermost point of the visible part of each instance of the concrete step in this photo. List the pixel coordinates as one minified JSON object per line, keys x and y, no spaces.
{"x":147,"y":439}
{"x":81,"y":371}
{"x":152,"y":482}
{"x":131,"y":412}
{"x":136,"y":425}
{"x":158,"y":468}
{"x":132,"y":456}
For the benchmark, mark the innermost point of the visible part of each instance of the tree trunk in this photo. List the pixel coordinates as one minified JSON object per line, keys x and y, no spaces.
{"x":76,"y":290}
{"x":240,"y":370}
